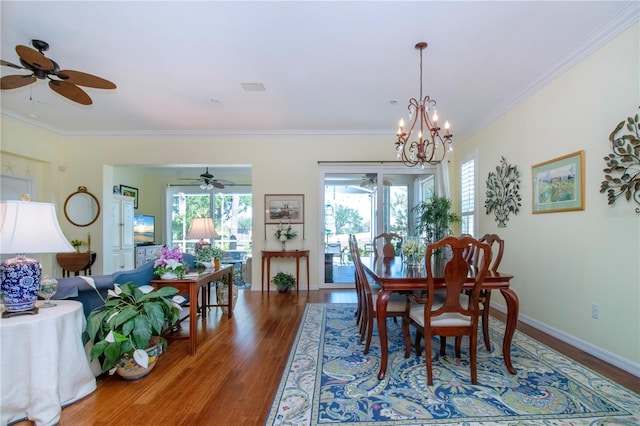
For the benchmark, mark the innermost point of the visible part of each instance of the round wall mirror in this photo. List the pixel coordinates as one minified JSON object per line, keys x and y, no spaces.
{"x":82,"y":207}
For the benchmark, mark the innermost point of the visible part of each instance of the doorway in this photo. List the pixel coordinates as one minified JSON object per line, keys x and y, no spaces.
{"x":365,"y":200}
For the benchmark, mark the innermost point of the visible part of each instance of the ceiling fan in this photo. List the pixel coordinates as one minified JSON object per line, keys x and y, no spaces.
{"x":63,"y":82}
{"x":370,"y":180}
{"x":207,"y":181}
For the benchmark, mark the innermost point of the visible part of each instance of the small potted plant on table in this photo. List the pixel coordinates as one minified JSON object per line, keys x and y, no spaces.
{"x":284,"y":281}
{"x":126,"y":332}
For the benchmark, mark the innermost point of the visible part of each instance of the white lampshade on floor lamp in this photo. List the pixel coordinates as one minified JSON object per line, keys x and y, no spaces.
{"x":201,"y":228}
{"x":26,"y":227}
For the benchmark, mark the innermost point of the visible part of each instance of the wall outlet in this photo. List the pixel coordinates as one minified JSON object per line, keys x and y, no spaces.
{"x":595,"y":311}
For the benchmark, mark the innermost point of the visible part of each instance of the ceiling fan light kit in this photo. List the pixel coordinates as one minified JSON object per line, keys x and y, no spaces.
{"x":429,"y":146}
{"x":63,"y":82}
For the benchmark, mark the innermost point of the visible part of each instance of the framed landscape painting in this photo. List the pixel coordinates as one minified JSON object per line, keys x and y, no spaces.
{"x":284,"y":208}
{"x":558,"y":184}
{"x":130,"y":191}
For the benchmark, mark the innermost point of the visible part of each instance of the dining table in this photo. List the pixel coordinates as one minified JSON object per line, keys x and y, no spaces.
{"x":392,"y":274}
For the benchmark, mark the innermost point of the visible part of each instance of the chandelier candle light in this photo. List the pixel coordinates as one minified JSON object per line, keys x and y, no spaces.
{"x":430,"y":146}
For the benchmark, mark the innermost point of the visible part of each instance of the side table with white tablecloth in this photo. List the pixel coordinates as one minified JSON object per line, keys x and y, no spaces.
{"x":44,"y":365}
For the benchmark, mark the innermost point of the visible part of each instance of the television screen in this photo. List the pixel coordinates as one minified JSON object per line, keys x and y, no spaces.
{"x":144,"y":230}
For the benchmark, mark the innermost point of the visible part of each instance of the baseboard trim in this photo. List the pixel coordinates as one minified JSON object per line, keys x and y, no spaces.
{"x":587,"y":347}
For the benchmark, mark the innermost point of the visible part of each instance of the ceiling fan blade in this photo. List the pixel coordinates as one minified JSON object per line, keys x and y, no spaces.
{"x":217,"y":184}
{"x":70,"y":91}
{"x":9,"y":64}
{"x":34,"y":58}
{"x":83,"y":79}
{"x":225,"y":182}
{"x":15,"y":81}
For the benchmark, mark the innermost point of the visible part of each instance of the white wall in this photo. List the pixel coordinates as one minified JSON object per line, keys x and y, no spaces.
{"x":562,"y":262}
{"x":565,"y":262}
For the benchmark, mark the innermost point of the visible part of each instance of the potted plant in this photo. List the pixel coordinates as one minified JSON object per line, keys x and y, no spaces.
{"x":206,"y":256}
{"x":284,"y":281}
{"x":434,"y":218}
{"x":77,"y":244}
{"x":222,"y":289}
{"x":126,"y":331}
{"x":285,"y":233}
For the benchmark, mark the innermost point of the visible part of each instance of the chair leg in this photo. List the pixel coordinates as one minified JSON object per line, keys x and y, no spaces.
{"x":473,"y":346}
{"x":485,"y":319}
{"x":443,"y":345}
{"x":407,"y":337}
{"x":458,"y":343}
{"x":369,"y":332}
{"x":417,"y":342}
{"x":427,"y":355}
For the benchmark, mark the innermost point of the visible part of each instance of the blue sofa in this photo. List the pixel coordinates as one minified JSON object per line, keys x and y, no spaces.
{"x":76,"y":288}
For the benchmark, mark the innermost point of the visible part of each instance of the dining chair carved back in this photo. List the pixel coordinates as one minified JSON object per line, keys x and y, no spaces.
{"x":386,"y":247}
{"x":360,"y":310}
{"x":449,"y":317}
{"x":497,"y":250}
{"x":395,"y":306}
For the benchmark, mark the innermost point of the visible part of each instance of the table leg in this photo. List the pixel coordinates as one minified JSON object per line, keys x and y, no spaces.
{"x":268,"y":272}
{"x":307,"y":257}
{"x":262,"y":275}
{"x":297,"y":273}
{"x":193,"y":314}
{"x":512,"y":320}
{"x":381,"y":316}
{"x":230,"y":294}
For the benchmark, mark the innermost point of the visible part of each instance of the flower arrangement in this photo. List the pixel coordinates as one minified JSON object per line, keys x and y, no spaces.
{"x":170,"y":261}
{"x":126,"y":321}
{"x":413,"y":250}
{"x":285,"y":232}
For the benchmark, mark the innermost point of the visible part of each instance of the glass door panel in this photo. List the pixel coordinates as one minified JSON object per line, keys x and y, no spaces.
{"x":356,"y":203}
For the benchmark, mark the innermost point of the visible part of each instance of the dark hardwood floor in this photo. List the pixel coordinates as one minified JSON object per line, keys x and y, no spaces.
{"x":233,"y":376}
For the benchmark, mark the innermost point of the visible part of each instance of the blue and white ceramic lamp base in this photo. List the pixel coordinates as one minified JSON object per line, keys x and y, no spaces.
{"x":20,"y":283}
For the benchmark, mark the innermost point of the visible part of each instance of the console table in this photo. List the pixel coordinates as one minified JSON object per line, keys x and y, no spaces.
{"x":297,"y":254}
{"x":190,"y":285}
{"x":44,"y":364}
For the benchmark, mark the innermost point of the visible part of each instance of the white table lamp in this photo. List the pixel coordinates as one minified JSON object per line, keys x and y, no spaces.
{"x":26,"y":227}
{"x":201,"y":228}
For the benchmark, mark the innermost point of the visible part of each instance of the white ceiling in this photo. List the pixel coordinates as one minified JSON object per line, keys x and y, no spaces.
{"x":328,"y":67}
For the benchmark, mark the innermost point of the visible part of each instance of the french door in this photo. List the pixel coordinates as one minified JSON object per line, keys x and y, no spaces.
{"x":365,"y":200}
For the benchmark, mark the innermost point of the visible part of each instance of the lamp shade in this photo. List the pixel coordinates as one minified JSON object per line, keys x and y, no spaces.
{"x":30,"y":227}
{"x":202,"y":228}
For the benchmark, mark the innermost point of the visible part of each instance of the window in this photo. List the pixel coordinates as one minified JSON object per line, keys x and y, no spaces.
{"x":468,"y":184}
{"x":231,"y":210}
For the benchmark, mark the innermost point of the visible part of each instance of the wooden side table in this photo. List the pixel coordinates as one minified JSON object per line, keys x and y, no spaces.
{"x":297,"y":254}
{"x":76,"y":262}
{"x":190,"y":285}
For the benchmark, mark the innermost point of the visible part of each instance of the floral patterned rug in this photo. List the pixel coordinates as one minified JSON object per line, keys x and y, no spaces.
{"x":328,"y":379}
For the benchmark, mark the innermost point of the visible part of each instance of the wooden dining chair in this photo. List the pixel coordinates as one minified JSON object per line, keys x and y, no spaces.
{"x":449,"y":318}
{"x":388,"y":246}
{"x":484,"y":301}
{"x":395,"y":307}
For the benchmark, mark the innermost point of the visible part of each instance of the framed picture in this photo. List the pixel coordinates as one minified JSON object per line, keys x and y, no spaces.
{"x":130,"y":191}
{"x":284,"y":208}
{"x":558,"y":184}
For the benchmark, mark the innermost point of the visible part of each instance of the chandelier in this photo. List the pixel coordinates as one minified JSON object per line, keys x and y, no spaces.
{"x":429,"y":146}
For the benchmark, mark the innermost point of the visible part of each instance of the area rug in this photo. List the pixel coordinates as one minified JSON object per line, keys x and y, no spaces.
{"x":328,"y":379}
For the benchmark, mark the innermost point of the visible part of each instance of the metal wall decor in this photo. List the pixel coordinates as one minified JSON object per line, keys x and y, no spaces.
{"x":622,"y":175}
{"x":503,"y":196}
